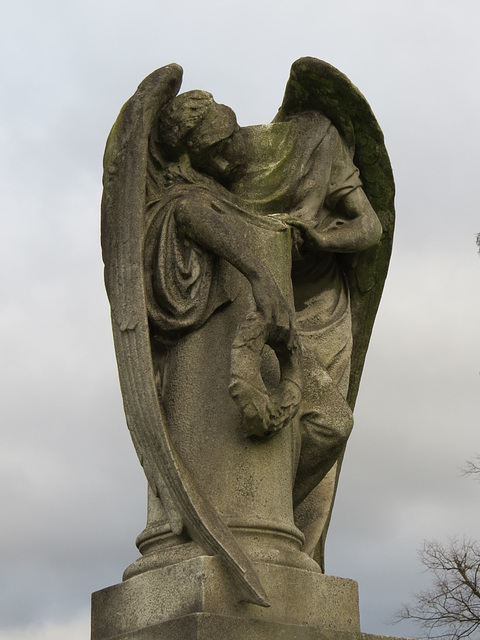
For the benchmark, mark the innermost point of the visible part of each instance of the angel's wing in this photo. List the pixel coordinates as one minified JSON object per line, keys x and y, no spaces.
{"x":123,"y":235}
{"x":316,"y":85}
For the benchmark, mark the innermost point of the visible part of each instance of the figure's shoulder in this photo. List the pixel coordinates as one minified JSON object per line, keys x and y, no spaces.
{"x":312,"y":125}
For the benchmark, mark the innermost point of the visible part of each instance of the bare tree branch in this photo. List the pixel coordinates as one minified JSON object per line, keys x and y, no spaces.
{"x":450,"y":609}
{"x":472,"y":467}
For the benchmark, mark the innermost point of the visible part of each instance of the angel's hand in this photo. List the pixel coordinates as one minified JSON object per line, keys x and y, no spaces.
{"x":305,"y":238}
{"x":274,"y":308}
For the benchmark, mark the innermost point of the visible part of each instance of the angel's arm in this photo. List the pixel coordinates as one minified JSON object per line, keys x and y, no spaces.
{"x":225,"y":234}
{"x":353,"y":227}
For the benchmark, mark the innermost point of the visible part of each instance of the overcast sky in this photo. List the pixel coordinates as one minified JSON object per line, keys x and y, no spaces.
{"x":72,"y":493}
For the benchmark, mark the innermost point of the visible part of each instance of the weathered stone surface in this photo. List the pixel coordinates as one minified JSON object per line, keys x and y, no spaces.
{"x":206,"y":626}
{"x":202,"y":586}
{"x":244,"y":267}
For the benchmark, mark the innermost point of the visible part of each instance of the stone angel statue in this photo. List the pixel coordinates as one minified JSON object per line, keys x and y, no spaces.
{"x":244,"y":268}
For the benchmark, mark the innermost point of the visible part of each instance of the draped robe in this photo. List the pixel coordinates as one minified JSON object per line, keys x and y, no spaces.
{"x":301,"y":169}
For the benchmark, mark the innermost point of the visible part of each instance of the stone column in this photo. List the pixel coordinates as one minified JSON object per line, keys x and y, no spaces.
{"x":248,"y":481}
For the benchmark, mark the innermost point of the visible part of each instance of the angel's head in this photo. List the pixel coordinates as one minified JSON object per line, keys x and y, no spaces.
{"x":192,"y":122}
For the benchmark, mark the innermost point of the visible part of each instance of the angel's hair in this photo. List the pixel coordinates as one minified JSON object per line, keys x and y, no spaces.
{"x":193,"y":121}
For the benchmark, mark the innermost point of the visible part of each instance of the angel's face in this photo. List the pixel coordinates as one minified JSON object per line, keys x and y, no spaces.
{"x":214,"y":159}
{"x":222,"y":160}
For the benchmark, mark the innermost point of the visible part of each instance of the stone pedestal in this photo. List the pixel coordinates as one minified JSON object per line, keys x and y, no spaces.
{"x":193,"y":600}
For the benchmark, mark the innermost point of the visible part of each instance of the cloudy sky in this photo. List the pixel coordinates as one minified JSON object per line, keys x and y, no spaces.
{"x":72,"y":493}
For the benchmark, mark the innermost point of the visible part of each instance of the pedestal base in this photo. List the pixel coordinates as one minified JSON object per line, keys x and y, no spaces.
{"x":206,"y":626}
{"x":193,"y":600}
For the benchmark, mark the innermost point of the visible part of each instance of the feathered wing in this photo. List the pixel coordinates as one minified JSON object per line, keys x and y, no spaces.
{"x":123,"y":234}
{"x":316,"y":85}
